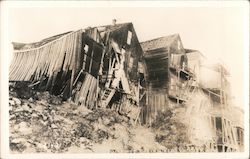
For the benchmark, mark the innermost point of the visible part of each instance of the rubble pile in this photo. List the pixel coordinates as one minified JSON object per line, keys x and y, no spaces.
{"x":48,"y":124}
{"x":45,"y":123}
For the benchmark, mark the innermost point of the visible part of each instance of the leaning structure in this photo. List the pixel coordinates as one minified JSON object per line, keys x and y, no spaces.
{"x":108,"y":67}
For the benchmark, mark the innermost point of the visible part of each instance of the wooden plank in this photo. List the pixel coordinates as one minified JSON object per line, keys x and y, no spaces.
{"x":15,"y":66}
{"x":74,"y":56}
{"x":68,"y":52}
{"x":86,"y":87}
{"x":136,"y":119}
{"x":34,"y":65}
{"x":91,"y":91}
{"x":23,"y":61}
{"x":88,"y":93}
{"x":18,"y":65}
{"x":25,"y":66}
{"x":84,"y":90}
{"x":79,"y":48}
{"x":93,"y":98}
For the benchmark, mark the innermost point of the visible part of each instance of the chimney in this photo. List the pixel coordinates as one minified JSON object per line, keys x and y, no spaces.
{"x":114,"y":21}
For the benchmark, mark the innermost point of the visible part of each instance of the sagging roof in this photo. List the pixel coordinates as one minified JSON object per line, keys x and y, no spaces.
{"x":24,"y":46}
{"x":53,"y":54}
{"x":157,"y":43}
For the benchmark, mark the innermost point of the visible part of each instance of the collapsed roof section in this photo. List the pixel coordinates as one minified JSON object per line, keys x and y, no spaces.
{"x":58,"y":62}
{"x":44,"y":58}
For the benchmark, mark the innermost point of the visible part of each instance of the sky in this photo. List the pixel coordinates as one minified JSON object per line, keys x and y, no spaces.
{"x":217,"y":32}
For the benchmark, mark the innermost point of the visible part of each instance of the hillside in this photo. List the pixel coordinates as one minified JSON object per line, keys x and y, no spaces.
{"x":40,"y":122}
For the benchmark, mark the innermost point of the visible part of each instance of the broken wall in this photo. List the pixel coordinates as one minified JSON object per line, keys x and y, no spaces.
{"x":126,"y":38}
{"x":54,"y":61}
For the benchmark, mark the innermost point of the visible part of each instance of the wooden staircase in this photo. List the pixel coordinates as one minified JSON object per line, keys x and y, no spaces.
{"x":112,"y":84}
{"x":109,"y":92}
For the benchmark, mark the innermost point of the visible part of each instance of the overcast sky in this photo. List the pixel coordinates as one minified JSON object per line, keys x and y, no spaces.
{"x":217,"y":32}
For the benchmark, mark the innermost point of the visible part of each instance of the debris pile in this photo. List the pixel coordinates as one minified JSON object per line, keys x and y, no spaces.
{"x":48,"y":124}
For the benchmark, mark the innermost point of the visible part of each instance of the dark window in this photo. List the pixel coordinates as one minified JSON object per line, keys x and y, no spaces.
{"x":218,"y":124}
{"x":220,"y":148}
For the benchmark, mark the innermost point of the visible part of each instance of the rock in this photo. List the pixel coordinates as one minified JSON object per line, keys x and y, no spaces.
{"x":42,"y":102}
{"x":18,"y":140}
{"x":31,"y":105}
{"x":10,"y":108}
{"x":19,"y":109}
{"x":44,"y":123}
{"x":39,"y":108}
{"x":55,"y":100}
{"x":41,"y":147}
{"x":12,"y":116}
{"x":17,"y":101}
{"x":20,"y":147}
{"x":11,"y":102}
{"x":24,"y":128}
{"x":53,"y":112}
{"x":53,"y":126}
{"x":34,"y":115}
{"x":31,"y":99}
{"x":105,"y":121}
{"x":45,"y":117}
{"x":26,"y":107}
{"x":15,"y":127}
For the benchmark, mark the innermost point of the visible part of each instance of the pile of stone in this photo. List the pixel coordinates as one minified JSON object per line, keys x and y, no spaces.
{"x":48,"y":124}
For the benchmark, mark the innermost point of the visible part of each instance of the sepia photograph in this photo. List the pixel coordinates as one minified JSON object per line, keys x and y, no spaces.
{"x":114,"y":78}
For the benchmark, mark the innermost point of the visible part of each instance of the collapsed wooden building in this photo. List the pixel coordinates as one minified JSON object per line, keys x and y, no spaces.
{"x":108,"y":67}
{"x":95,"y":67}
